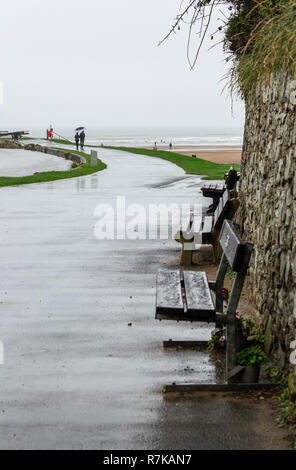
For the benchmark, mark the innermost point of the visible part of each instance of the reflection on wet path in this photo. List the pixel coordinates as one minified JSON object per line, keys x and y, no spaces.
{"x":84,"y":364}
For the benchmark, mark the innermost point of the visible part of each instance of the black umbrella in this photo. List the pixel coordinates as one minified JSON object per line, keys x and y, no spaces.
{"x":79,"y":129}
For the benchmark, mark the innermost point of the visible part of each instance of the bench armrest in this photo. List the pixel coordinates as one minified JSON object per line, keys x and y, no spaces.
{"x":212,"y":285}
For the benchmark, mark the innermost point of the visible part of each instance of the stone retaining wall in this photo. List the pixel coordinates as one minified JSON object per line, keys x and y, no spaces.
{"x":267,"y":211}
{"x":9,"y":144}
{"x":67,"y":155}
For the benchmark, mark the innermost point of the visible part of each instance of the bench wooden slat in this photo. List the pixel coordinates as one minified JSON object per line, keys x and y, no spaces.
{"x":232,"y":245}
{"x":222,"y":211}
{"x":198,"y":296}
{"x":218,"y":211}
{"x":168,"y":292}
{"x":196,"y":226}
{"x":210,"y":189}
{"x":225,"y":197}
{"x":208,"y":224}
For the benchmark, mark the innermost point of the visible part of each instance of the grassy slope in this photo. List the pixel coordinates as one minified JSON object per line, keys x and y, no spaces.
{"x":191,"y":166}
{"x":55,"y":175}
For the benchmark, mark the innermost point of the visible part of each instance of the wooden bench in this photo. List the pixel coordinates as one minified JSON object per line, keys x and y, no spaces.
{"x":188,"y":295}
{"x":208,"y":228}
{"x":14,"y":134}
{"x":216,"y":191}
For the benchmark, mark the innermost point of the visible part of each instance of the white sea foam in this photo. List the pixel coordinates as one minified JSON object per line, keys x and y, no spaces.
{"x":144,"y":138}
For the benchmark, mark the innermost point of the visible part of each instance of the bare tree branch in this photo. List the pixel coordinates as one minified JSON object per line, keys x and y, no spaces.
{"x":200,"y":19}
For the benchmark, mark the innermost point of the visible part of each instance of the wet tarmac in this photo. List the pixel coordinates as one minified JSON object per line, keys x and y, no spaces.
{"x":84,"y":365}
{"x":18,"y":162}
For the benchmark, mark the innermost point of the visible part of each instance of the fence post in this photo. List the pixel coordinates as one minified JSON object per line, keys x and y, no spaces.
{"x":93,"y":158}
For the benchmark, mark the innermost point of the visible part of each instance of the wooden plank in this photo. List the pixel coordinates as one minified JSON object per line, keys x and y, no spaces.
{"x":168,"y":292}
{"x":217,"y":212}
{"x":232,"y":245}
{"x":207,"y":224}
{"x":222,"y":211}
{"x":220,"y":282}
{"x":221,"y":215}
{"x":225,"y":197}
{"x":185,"y":344}
{"x":234,"y":387}
{"x":232,"y":308}
{"x":213,"y":189}
{"x":235,"y":371}
{"x":198,"y":296}
{"x":196,"y":223}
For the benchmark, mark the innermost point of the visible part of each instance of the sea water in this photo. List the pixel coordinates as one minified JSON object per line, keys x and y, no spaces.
{"x":147,"y":137}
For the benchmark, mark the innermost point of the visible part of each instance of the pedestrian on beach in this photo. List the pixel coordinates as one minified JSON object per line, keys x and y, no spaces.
{"x":77,"y":140}
{"x":82,"y":138}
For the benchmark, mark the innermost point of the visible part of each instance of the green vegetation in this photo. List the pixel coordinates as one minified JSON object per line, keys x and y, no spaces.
{"x":217,"y":341}
{"x":230,"y":273}
{"x":286,"y":417}
{"x":287,"y":414}
{"x":83,"y":170}
{"x":63,"y":142}
{"x":191,"y":165}
{"x":261,"y":35}
{"x":250,"y":356}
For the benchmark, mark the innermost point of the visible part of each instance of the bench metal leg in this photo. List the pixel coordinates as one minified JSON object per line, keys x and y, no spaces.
{"x":230,"y":321}
{"x":214,"y":204}
{"x":186,"y":256}
{"x":185,"y":344}
{"x":218,"y":388}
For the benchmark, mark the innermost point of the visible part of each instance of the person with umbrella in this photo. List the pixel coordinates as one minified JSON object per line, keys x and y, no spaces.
{"x":76,"y":140}
{"x":82,"y":138}
{"x":81,"y":134}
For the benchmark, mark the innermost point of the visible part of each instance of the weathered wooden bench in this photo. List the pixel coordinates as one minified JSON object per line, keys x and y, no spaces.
{"x":216,"y":191}
{"x":14,"y":134}
{"x":208,"y":228}
{"x":188,"y":295}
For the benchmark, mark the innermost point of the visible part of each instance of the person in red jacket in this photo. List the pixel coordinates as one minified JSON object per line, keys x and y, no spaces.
{"x":50,"y":133}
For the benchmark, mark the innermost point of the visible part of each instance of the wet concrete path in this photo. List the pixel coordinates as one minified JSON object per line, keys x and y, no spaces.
{"x":75,"y":374}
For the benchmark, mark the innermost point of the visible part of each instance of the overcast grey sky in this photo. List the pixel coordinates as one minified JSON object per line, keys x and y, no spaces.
{"x":96,"y":62}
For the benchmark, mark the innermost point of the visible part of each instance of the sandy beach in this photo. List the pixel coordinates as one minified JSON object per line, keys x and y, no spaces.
{"x":217,"y":154}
